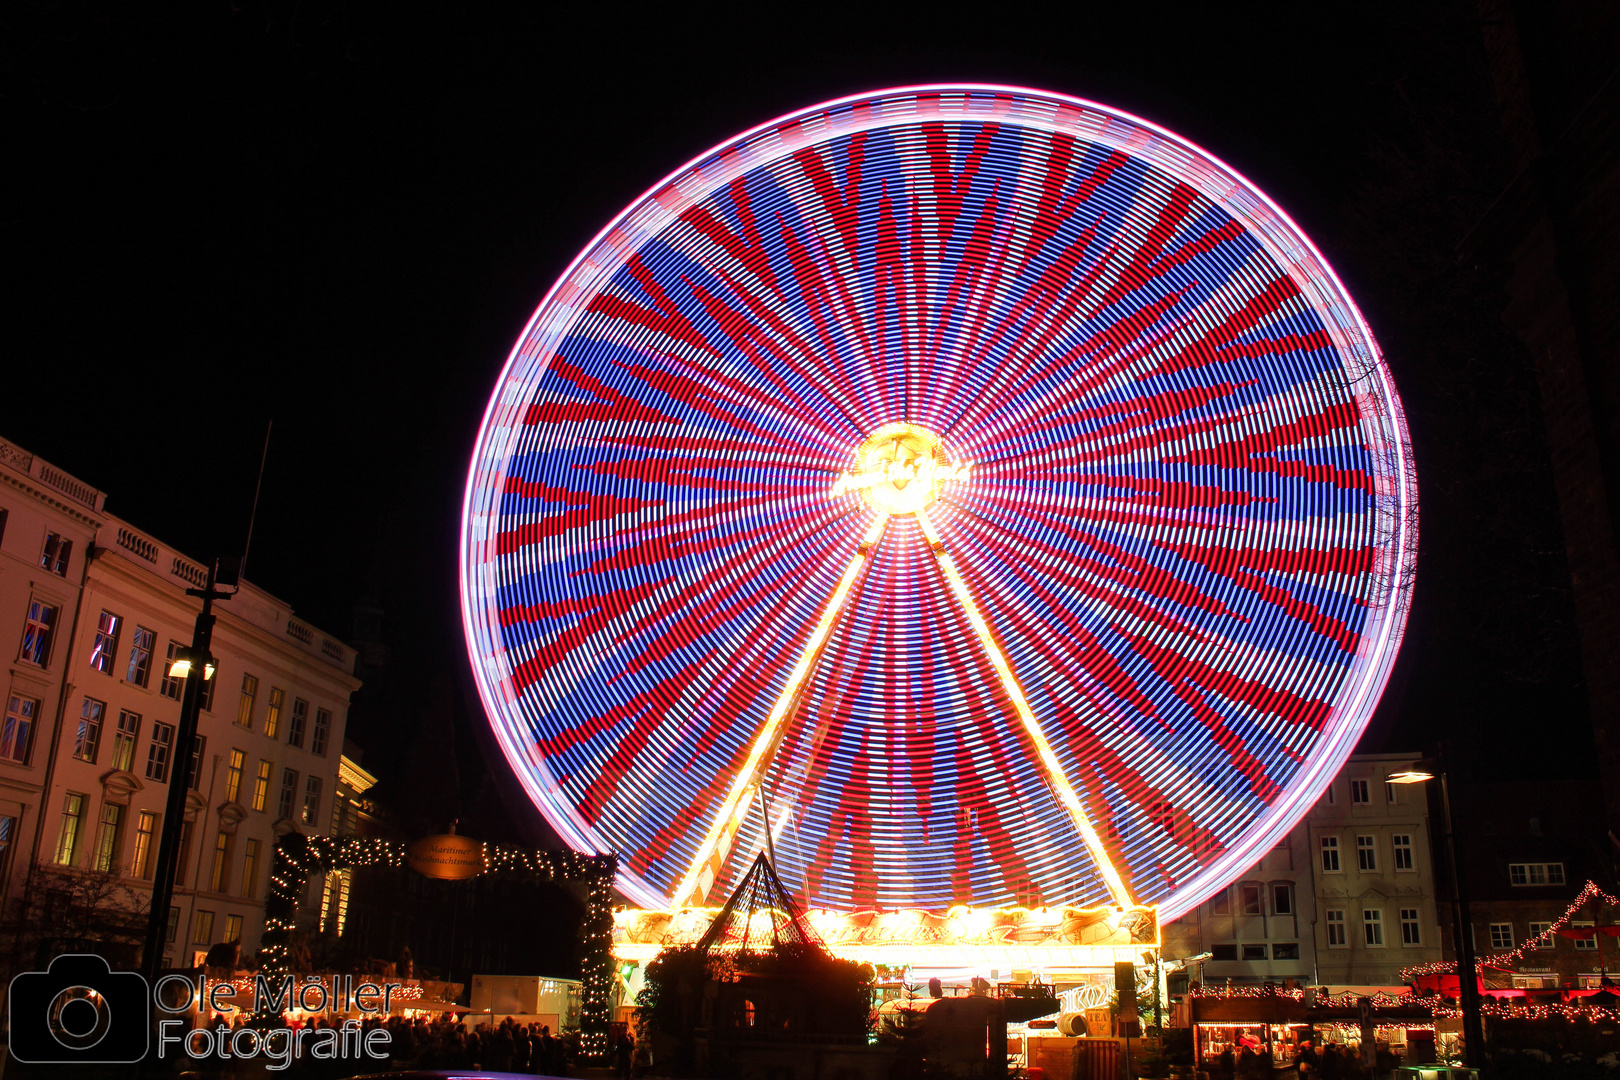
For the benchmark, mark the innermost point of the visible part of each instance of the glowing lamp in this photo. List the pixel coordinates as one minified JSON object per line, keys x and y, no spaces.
{"x":1409,"y":776}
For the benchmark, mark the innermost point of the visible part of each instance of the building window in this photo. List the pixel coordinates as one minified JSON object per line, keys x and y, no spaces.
{"x":233,"y":775}
{"x":56,"y":554}
{"x":105,"y":647}
{"x":195,"y":776}
{"x":37,"y":631}
{"x":112,"y":823}
{"x":1335,"y":929}
{"x":67,"y":840}
{"x":233,"y":928}
{"x":289,"y":793}
{"x":1282,"y":899}
{"x":1367,"y":853}
{"x":1585,"y":943}
{"x":1330,"y":855}
{"x":20,"y":713}
{"x":312,"y":800}
{"x":174,"y":924}
{"x":204,"y":933}
{"x":222,"y":862}
{"x":183,"y":852}
{"x":1372,"y":926}
{"x":205,"y":692}
{"x":250,"y":867}
{"x":1536,"y":873}
{"x":1501,"y":935}
{"x":1537,"y":929}
{"x":1389,"y":793}
{"x":1250,"y":896}
{"x":157,"y":754}
{"x":1254,"y":952}
{"x":1359,"y":793}
{"x":323,"y":728}
{"x":1402,"y":844}
{"x":1221,"y":903}
{"x":1411,"y":931}
{"x":1286,"y":950}
{"x":295,"y":725}
{"x":87,"y":740}
{"x":272,"y":712}
{"x":141,"y":644}
{"x":124,"y":740}
{"x":171,"y":686}
{"x":261,"y":786}
{"x":145,"y":829}
{"x":244,"y":704}
{"x":1227,"y":951}
{"x":1330,"y":798}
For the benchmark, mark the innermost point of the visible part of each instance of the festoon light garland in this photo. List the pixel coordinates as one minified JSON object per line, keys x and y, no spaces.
{"x":1512,"y":956}
{"x":297,"y":857}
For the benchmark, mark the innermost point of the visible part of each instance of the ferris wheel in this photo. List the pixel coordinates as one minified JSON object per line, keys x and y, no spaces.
{"x":974,"y":494}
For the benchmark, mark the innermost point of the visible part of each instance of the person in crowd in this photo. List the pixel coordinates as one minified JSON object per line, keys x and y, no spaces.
{"x":623,"y":1051}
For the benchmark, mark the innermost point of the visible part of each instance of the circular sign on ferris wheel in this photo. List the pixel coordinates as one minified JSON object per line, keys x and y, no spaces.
{"x":992,"y":492}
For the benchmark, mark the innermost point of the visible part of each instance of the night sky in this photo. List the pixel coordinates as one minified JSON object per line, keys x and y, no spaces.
{"x":339,"y":216}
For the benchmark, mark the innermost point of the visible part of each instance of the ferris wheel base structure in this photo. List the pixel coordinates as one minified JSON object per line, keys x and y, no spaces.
{"x":974,"y":495}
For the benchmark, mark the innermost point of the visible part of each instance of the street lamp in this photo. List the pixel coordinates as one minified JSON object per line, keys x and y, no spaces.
{"x":1462,"y":924}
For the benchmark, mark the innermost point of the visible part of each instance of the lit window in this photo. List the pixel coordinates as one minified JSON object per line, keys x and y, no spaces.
{"x":157,"y":754}
{"x":1536,"y":873}
{"x":105,"y":646}
{"x":1372,"y":925}
{"x":250,"y":867}
{"x":1254,"y":952}
{"x":37,"y":631}
{"x":171,"y":686}
{"x":141,"y":644}
{"x":323,"y":728}
{"x":87,"y":739}
{"x":125,"y":738}
{"x":1335,"y":929}
{"x":204,"y":934}
{"x":56,"y":554}
{"x":1359,"y":792}
{"x":1501,"y":935}
{"x":1402,"y":845}
{"x":1537,"y":929}
{"x":174,"y":924}
{"x":261,"y":786}
{"x":312,"y":800}
{"x":244,"y":704}
{"x":145,"y":829}
{"x":20,"y":713}
{"x":233,"y":928}
{"x":67,"y":839}
{"x":1282,"y":899}
{"x":1411,"y":928}
{"x":1288,"y":950}
{"x":233,"y":775}
{"x":272,"y":713}
{"x":289,"y":794}
{"x":295,"y":726}
{"x":222,"y":861}
{"x":1251,"y":896}
{"x":112,"y":822}
{"x":1330,"y":855}
{"x":1367,"y":853}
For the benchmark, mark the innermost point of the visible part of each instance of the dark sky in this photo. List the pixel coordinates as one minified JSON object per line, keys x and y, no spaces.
{"x":339,"y":216}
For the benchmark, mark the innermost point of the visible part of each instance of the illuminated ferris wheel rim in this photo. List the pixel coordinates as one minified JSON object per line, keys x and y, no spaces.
{"x":1084,"y":120}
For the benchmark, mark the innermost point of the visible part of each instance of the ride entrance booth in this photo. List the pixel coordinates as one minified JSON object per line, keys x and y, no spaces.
{"x":1271,"y":1025}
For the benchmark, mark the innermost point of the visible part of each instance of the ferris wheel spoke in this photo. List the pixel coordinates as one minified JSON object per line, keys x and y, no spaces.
{"x":717,"y":842}
{"x":1050,"y":764}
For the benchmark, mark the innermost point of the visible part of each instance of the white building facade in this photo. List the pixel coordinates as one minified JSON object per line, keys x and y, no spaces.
{"x":270,"y":729}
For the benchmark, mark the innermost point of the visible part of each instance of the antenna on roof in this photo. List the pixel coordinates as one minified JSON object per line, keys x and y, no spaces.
{"x":253,"y":515}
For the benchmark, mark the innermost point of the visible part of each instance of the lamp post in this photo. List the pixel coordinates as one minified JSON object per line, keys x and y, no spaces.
{"x":1462,"y":924}
{"x":197,"y":665}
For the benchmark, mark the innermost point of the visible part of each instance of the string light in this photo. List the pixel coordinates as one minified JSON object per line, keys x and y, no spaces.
{"x":298,"y":857}
{"x":1504,"y":961}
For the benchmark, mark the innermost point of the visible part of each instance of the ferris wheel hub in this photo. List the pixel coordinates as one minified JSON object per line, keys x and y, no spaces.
{"x":901,"y":468}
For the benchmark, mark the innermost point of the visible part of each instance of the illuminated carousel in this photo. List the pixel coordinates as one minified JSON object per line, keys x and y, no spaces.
{"x":986,"y":501}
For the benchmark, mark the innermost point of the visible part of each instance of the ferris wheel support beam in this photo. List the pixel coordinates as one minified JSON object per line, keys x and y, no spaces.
{"x":1053,"y":768}
{"x":717,"y":842}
